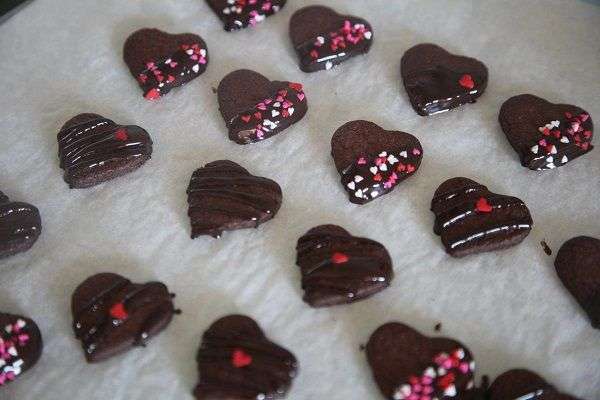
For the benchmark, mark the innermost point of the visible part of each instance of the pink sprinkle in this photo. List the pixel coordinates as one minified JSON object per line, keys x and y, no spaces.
{"x":261,"y":106}
{"x":173,"y":64}
{"x":300,"y":96}
{"x":464,"y":367}
{"x":416,"y":151}
{"x":268,"y":101}
{"x":361,"y":161}
{"x":427,"y":390}
{"x":584,"y":117}
{"x":426,"y":380}
{"x":267,"y":6}
{"x":543,"y":142}
{"x":279,"y":98}
{"x":575,"y":126}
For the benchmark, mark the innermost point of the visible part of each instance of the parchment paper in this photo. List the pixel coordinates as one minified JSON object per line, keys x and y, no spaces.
{"x":63,"y":57}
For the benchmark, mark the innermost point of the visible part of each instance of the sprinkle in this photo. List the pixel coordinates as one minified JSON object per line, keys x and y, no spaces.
{"x":240,"y":359}
{"x":483,"y":205}
{"x":121,"y":135}
{"x":118,"y":311}
{"x":466,"y":81}
{"x":339,"y":258}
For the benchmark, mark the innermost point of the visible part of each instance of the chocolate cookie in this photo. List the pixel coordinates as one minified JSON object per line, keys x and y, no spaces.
{"x":407,"y":365}
{"x":20,"y":226}
{"x":471,"y":219}
{"x":111,"y":314}
{"x":323,"y":38}
{"x":520,"y":384}
{"x":238,"y":14}
{"x":237,"y":362}
{"x":371,"y":160}
{"x":223,"y":196}
{"x":20,"y":346}
{"x":255,"y":108}
{"x":544,"y":134}
{"x":578,"y":267}
{"x":161,"y":61}
{"x":438,"y":81}
{"x":93,"y":149}
{"x":338,"y":268}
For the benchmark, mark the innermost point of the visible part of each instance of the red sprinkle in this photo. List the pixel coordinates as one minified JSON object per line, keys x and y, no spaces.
{"x":246,"y":118}
{"x":483,"y":205}
{"x":466,"y":81}
{"x":121,"y":135}
{"x":153,"y":94}
{"x":240,"y":359}
{"x":257,"y":115}
{"x":339,"y":258}
{"x":117,"y":311}
{"x":296,"y":86}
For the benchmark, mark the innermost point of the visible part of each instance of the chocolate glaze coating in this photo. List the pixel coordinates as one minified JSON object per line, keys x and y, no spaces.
{"x":111,"y":314}
{"x":338,"y":268}
{"x":521,"y":384}
{"x":237,"y":362}
{"x":471,"y":219}
{"x":238,"y":14}
{"x":543,"y":134}
{"x":358,"y":149}
{"x":21,"y":348}
{"x":93,"y":149}
{"x":223,"y":196}
{"x":578,"y":267}
{"x":323,"y":38}
{"x":438,"y":81}
{"x":20,"y":226}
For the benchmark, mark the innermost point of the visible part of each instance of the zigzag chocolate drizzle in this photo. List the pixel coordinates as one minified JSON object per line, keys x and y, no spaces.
{"x":20,"y":226}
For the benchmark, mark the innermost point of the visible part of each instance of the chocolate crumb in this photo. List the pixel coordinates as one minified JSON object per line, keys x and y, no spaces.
{"x":546,"y":248}
{"x":438,"y":327}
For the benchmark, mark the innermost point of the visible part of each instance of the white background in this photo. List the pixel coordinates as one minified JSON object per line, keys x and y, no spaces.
{"x":61,"y":58}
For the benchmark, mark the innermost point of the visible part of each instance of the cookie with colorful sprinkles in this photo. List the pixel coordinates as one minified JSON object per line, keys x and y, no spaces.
{"x":20,"y":226}
{"x":239,"y":14}
{"x":373,"y":161}
{"x":20,"y":346}
{"x":521,"y":384}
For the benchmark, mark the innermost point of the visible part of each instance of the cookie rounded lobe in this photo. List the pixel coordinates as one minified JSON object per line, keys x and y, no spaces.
{"x":522,"y":383}
{"x":21,"y":348}
{"x":20,"y":226}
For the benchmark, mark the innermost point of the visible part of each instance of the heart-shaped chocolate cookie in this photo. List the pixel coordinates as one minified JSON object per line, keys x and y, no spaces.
{"x":410,"y":366}
{"x":545,"y":135}
{"x":111,"y":314}
{"x":438,"y":81}
{"x":323,"y":38}
{"x":20,"y":346}
{"x":236,"y":361}
{"x":238,"y":14}
{"x":371,"y":160}
{"x":20,"y":226}
{"x":471,"y":219}
{"x":93,"y":149}
{"x":520,"y":384}
{"x":255,"y":108}
{"x":338,"y":268}
{"x":223,"y":196}
{"x":160,"y":61}
{"x":578,"y":267}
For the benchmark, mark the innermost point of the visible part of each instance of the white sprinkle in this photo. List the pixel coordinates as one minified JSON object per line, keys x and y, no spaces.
{"x":189,"y":51}
{"x":404,"y":154}
{"x":328,"y":65}
{"x":383,"y":167}
{"x":368,"y":35}
{"x":291,"y":111}
{"x":564,"y":139}
{"x":358,"y":178}
{"x":373,"y":170}
{"x":351,"y":186}
{"x":564,"y":160}
{"x":358,"y":193}
{"x":535,"y":149}
{"x":196,"y":68}
{"x":274,"y":113}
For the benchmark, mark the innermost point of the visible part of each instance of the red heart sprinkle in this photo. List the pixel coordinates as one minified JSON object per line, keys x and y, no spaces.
{"x":466,"y":81}
{"x":377,"y":178}
{"x":296,"y":86}
{"x":410,"y":168}
{"x":153,"y":94}
{"x":121,"y":134}
{"x":117,"y":311}
{"x":314,"y":54}
{"x":246,"y":118}
{"x":240,"y":359}
{"x":257,"y":115}
{"x":339,"y":258}
{"x":483,"y":205}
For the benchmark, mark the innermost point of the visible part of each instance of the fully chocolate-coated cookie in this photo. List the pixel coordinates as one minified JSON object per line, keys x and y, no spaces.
{"x":20,"y":346}
{"x":93,"y":149}
{"x":371,"y":160}
{"x":471,"y":219}
{"x":578,"y":267}
{"x":237,"y":362}
{"x":223,"y":196}
{"x":520,"y":384}
{"x":438,"y":81}
{"x":338,"y":268}
{"x":255,"y":108}
{"x":20,"y":226}
{"x":111,"y":314}
{"x":160,"y":61}
{"x":545,"y":135}
{"x":407,"y":365}
{"x":238,"y":14}
{"x":323,"y":38}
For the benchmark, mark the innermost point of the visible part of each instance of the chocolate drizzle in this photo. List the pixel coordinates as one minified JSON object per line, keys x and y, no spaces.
{"x":238,"y":14}
{"x":521,"y":384}
{"x":224,"y":196}
{"x":338,"y":268}
{"x":93,"y":149}
{"x":20,"y":226}
{"x":143,"y":311}
{"x":471,"y":219}
{"x":237,"y":361}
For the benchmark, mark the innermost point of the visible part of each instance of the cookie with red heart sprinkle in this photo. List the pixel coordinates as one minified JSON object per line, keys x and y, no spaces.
{"x":239,"y":14}
{"x":255,"y":108}
{"x":437,"y":80}
{"x":578,"y":267}
{"x":161,"y":61}
{"x":521,"y":384}
{"x":237,"y":361}
{"x":20,"y":226}
{"x":111,"y":314}
{"x":471,"y":219}
{"x":546,"y":135}
{"x":338,"y":268}
{"x":373,"y":161}
{"x":407,"y":365}
{"x":20,"y":346}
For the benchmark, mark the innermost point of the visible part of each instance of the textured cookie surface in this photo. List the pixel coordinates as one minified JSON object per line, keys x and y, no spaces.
{"x":161,"y":61}
{"x":437,"y":81}
{"x":471,"y":219}
{"x":93,"y":149}
{"x":111,"y":314}
{"x":20,"y":226}
{"x":323,"y":38}
{"x":545,"y":135}
{"x":237,"y":362}
{"x":20,"y":346}
{"x":520,"y":384}
{"x":373,"y":161}
{"x":255,"y":108}
{"x":338,"y":268}
{"x":238,"y":14}
{"x":223,"y":196}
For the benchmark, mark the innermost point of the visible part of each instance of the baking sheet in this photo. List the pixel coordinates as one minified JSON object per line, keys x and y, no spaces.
{"x":61,"y":58}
